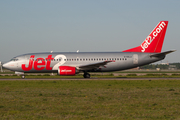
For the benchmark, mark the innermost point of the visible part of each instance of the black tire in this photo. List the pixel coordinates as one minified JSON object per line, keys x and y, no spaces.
{"x":86,"y":75}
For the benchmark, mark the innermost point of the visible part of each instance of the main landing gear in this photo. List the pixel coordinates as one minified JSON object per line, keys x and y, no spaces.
{"x":86,"y":75}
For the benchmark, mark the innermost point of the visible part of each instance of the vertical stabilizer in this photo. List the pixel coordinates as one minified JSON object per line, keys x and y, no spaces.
{"x":154,"y":42}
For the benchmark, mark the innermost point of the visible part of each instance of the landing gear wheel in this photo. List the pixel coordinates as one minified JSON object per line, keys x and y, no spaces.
{"x":22,"y":76}
{"x":86,"y":75}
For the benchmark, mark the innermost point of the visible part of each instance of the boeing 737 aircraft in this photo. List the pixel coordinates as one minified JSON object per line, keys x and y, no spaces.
{"x":72,"y":63}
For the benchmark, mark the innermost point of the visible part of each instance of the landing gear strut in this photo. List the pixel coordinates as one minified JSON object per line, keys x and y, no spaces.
{"x":86,"y":75}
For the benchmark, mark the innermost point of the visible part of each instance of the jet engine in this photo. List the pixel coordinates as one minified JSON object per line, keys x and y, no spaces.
{"x":67,"y":70}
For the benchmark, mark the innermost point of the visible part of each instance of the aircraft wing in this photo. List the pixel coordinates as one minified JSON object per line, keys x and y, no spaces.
{"x":162,"y":54}
{"x":94,"y":65}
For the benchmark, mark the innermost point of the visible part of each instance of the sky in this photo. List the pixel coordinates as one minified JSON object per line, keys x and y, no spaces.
{"x":85,"y":25}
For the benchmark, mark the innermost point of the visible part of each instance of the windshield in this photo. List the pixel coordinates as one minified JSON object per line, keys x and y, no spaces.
{"x":14,"y":59}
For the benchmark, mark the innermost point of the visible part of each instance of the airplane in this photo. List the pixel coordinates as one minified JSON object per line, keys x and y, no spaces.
{"x":72,"y":63}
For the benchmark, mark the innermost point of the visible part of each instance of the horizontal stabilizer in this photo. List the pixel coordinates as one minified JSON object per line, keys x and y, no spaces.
{"x":162,"y":54}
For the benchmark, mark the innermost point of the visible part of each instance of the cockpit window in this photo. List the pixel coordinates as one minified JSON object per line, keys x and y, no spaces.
{"x":14,"y":59}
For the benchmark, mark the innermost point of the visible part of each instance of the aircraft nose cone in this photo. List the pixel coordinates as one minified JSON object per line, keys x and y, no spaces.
{"x":8,"y":65}
{"x":5,"y":65}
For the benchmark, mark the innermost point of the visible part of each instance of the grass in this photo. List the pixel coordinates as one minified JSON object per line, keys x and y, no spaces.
{"x":148,"y":71}
{"x":128,"y":74}
{"x":90,"y":99}
{"x":107,"y":75}
{"x":123,"y":71}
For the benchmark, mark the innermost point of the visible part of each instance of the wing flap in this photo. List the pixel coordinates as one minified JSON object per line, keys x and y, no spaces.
{"x":94,"y":65}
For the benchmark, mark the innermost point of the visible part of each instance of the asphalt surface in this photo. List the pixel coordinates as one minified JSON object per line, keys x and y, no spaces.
{"x":94,"y":79}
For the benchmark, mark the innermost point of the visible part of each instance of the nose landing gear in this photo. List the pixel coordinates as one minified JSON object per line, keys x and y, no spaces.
{"x":23,"y":76}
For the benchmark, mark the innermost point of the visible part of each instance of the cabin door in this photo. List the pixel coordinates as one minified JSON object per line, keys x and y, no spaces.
{"x":135,"y":59}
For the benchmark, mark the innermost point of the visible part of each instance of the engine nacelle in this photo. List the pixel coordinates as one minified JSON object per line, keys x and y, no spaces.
{"x":66,"y":70}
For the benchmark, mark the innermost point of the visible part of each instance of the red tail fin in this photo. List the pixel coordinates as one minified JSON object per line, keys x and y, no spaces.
{"x":153,"y":43}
